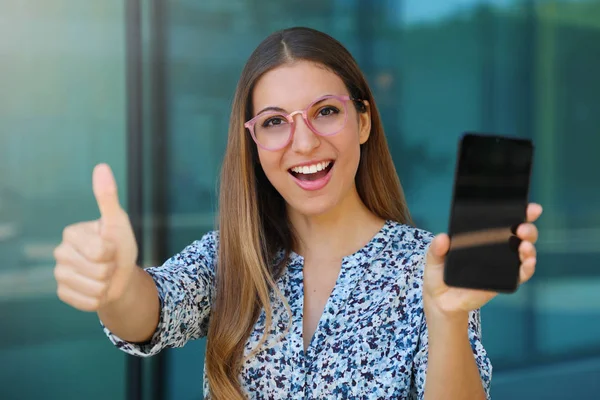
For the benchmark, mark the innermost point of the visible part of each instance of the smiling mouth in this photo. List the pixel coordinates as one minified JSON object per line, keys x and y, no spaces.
{"x":307,"y":173}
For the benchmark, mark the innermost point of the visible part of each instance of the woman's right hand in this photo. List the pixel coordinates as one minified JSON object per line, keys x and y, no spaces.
{"x":96,"y":260}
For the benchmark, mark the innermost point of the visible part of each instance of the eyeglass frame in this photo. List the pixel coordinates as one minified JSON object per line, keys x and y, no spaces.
{"x":290,"y":118}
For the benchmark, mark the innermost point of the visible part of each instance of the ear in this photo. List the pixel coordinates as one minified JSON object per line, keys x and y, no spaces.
{"x":364,"y":123}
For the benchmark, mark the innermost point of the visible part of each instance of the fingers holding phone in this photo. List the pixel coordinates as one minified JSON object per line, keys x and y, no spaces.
{"x":528,"y":234}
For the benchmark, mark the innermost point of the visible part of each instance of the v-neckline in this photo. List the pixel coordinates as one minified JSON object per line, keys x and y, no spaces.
{"x":321,"y":311}
{"x":352,"y":269}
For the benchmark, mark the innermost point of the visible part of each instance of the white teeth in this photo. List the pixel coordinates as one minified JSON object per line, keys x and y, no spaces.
{"x":311,"y":169}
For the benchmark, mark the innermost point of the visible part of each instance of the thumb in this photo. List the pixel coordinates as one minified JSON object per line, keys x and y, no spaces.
{"x":438,"y":249}
{"x":105,"y":191}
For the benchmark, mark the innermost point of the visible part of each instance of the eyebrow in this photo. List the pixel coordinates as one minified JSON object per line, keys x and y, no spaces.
{"x":281,"y":110}
{"x":271,"y":108}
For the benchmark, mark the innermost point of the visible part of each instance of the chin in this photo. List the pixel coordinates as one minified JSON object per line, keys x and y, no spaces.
{"x":312,"y":207}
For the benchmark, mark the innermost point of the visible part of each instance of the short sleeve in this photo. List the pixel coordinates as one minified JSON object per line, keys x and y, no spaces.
{"x":185,"y":284}
{"x":481,"y":357}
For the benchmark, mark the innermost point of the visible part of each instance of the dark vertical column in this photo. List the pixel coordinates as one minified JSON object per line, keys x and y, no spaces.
{"x":160,"y":160}
{"x":133,"y":43}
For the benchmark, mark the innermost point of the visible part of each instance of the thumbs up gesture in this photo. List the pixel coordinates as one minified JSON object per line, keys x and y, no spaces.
{"x":96,"y":259}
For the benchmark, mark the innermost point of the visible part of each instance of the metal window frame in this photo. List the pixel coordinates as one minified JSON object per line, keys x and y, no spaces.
{"x":136,"y":134}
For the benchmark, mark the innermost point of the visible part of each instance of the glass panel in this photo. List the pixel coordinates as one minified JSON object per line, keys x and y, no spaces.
{"x":62,"y":110}
{"x":437,"y":68}
{"x":568,"y":316}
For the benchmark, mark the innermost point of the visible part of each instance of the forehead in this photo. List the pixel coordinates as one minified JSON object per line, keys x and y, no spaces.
{"x":294,"y":86}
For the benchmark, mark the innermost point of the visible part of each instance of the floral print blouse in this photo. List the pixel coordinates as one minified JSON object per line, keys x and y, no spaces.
{"x":371,"y":340}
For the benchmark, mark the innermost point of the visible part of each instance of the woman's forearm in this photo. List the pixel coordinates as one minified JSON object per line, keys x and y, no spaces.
{"x":135,"y":316}
{"x":452,"y":372}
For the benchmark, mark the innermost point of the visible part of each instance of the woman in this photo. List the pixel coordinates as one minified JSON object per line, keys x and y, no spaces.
{"x":316,"y":285}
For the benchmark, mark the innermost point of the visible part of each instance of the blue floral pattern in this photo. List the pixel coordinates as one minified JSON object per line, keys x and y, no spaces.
{"x":370,"y":343}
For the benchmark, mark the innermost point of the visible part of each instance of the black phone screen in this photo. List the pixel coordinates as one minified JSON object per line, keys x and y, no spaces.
{"x":491,"y":190}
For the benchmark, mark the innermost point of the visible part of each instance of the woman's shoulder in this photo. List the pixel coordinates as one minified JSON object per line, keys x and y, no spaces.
{"x":408,"y":239}
{"x":210,"y":237}
{"x":209,"y":242}
{"x":407,"y":247}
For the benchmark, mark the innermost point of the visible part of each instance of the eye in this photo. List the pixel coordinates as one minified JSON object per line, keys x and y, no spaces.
{"x":273,"y":121}
{"x":327,"y":111}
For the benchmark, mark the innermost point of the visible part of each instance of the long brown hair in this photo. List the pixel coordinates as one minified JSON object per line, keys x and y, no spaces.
{"x":253,"y":223}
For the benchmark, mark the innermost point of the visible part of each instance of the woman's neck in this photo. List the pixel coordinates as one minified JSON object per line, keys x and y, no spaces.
{"x":338,"y":233}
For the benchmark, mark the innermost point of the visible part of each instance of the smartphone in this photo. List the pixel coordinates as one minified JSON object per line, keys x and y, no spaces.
{"x":490,"y":197}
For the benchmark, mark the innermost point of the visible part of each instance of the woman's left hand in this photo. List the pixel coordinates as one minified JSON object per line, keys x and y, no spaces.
{"x":451,"y":300}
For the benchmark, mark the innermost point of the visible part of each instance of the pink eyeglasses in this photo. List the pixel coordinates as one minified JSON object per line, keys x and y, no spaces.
{"x":272,"y":129}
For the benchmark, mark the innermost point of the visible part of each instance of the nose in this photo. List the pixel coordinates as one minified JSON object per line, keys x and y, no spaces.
{"x":304,"y":140}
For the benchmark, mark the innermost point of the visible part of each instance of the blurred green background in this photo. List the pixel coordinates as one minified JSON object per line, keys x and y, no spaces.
{"x":80,"y":79}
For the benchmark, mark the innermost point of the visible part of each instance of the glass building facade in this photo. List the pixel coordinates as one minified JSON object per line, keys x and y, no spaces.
{"x":146,"y":85}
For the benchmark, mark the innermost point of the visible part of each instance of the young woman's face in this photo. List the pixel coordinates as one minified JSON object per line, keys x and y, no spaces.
{"x":313,"y":173}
